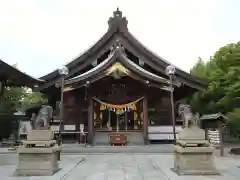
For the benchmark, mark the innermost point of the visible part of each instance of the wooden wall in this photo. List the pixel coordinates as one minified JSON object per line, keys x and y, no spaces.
{"x":75,"y":108}
{"x":159,"y":108}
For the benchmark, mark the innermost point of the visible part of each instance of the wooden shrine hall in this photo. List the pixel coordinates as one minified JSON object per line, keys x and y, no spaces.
{"x":118,"y":85}
{"x":12,"y":77}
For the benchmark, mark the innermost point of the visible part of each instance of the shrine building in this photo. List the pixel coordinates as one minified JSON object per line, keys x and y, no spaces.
{"x":118,"y":84}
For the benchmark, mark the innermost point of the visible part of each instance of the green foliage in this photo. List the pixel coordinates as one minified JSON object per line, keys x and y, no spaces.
{"x":14,"y":99}
{"x":234,"y":123}
{"x":31,"y":98}
{"x":199,"y":69}
{"x":11,"y":100}
{"x":6,"y":125}
{"x":222,"y":72}
{"x":18,"y":98}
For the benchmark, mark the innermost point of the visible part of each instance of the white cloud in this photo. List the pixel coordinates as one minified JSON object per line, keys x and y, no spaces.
{"x":42,"y":35}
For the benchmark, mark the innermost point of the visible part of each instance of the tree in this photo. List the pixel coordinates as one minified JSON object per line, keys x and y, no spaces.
{"x":234,"y":123}
{"x":31,"y":98}
{"x":10,"y":101}
{"x":222,"y":72}
{"x":200,"y":69}
{"x":13,"y":99}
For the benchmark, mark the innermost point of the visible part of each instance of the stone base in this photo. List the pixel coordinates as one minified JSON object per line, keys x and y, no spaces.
{"x":37,"y":161}
{"x":194,"y":161}
{"x":42,"y":172}
{"x":40,"y":135}
{"x":194,"y":172}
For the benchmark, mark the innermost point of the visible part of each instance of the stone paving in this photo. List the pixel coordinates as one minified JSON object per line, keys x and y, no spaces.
{"x":120,"y":167}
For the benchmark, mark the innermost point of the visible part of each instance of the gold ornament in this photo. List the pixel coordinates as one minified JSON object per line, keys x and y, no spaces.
{"x":135,"y":116}
{"x":132,"y":105}
{"x":118,"y":111}
{"x":102,"y":107}
{"x":94,"y":116}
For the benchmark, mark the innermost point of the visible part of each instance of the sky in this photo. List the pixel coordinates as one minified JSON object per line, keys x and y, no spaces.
{"x":43,"y":35}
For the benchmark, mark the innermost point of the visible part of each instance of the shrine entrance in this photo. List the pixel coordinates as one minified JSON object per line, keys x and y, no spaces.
{"x":118,"y":117}
{"x":118,"y":106}
{"x":122,"y":122}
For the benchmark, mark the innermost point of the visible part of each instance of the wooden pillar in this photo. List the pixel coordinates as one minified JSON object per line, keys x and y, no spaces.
{"x":90,"y":119}
{"x":220,"y":127}
{"x":206,"y":133}
{"x":77,"y":121}
{"x":126,"y":120}
{"x":109,"y":118}
{"x":2,"y":89}
{"x":145,"y":120}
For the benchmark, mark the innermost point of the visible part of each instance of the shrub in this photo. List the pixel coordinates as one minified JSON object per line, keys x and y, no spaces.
{"x":234,"y":122}
{"x":7,"y":125}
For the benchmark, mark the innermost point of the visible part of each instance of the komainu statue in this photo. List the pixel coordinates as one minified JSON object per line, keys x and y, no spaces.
{"x":193,"y":154}
{"x":43,"y":118}
{"x":186,"y":114}
{"x":38,"y":154}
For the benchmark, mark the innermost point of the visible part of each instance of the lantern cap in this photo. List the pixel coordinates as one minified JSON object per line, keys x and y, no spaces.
{"x":170,"y":70}
{"x":63,"y":70}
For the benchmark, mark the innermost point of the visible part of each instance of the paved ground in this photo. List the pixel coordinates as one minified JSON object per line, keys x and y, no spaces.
{"x":120,"y":167}
{"x":80,"y":149}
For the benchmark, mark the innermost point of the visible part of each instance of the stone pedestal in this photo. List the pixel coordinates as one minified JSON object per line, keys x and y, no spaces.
{"x":194,"y":161}
{"x":38,"y":155}
{"x":193,"y":154}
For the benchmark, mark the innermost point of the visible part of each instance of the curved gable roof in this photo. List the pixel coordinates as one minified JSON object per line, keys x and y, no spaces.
{"x":14,"y":77}
{"x":118,"y":30}
{"x":118,"y":55}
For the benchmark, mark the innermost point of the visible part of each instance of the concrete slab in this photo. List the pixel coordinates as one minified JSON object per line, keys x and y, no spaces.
{"x":121,"y":167}
{"x":7,"y":168}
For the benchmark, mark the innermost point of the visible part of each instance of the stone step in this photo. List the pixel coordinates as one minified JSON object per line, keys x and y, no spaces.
{"x":76,"y":148}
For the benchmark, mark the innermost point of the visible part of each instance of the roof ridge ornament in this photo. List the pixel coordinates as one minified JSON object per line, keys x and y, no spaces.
{"x":117,"y":46}
{"x":117,"y":20}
